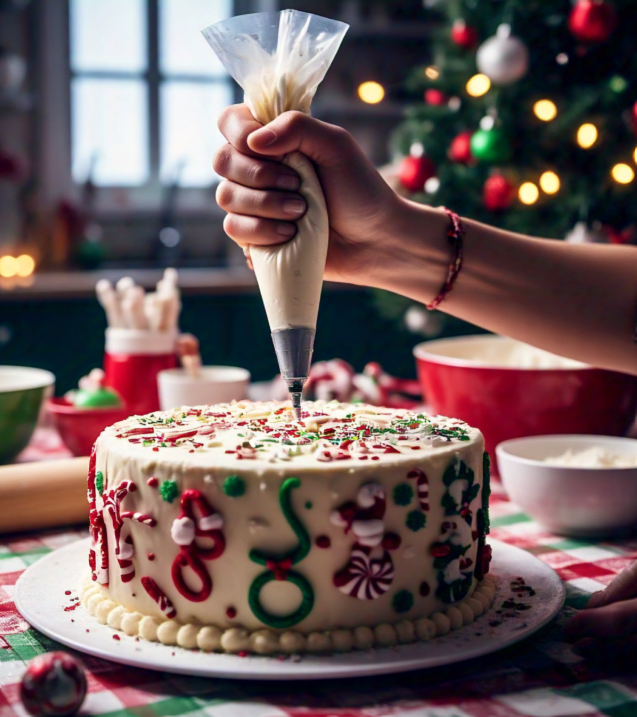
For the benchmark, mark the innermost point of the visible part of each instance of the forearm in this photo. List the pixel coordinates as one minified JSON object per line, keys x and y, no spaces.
{"x":576,"y":300}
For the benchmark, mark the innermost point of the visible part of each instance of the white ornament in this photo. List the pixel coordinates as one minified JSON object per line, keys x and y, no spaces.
{"x":581,"y":233}
{"x":503,"y":58}
{"x":417,"y":149}
{"x":420,"y":321}
{"x":454,"y":104}
{"x":432,"y":185}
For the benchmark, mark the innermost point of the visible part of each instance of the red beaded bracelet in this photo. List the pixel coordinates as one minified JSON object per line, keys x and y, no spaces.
{"x":456,"y":235}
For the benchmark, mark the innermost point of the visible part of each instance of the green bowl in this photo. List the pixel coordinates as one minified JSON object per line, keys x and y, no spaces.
{"x":22,"y":391}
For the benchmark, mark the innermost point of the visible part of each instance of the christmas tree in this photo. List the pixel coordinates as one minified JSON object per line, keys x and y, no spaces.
{"x":526,"y":118}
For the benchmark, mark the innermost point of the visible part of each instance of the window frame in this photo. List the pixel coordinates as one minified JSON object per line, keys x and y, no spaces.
{"x":56,"y":76}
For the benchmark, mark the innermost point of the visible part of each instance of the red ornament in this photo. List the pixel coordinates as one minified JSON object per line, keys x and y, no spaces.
{"x":463,"y":34}
{"x":53,"y":684}
{"x":498,"y":193}
{"x":415,"y":171}
{"x":592,"y":20}
{"x":435,"y":97}
{"x":460,"y":148}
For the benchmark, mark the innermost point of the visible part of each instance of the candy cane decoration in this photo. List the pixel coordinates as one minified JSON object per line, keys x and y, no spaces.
{"x":98,"y":542}
{"x":156,"y":593}
{"x":139,"y":518}
{"x":124,"y":546}
{"x":422,"y":487}
{"x":364,"y":577}
{"x":185,"y":529}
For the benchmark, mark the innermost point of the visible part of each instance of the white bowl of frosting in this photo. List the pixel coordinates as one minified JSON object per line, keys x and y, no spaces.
{"x":581,"y":486}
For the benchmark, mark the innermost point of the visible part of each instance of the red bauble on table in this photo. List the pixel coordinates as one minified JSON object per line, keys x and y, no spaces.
{"x":463,"y":34}
{"x":435,"y":97}
{"x":460,"y":148}
{"x":53,"y":684}
{"x":498,"y":193}
{"x":415,"y":171}
{"x":592,"y":20}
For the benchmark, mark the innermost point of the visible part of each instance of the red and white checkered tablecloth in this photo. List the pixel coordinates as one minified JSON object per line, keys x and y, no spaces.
{"x":540,"y":677}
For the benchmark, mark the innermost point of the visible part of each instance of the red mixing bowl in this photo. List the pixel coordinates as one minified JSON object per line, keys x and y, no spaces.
{"x":463,"y":377}
{"x":80,"y":427}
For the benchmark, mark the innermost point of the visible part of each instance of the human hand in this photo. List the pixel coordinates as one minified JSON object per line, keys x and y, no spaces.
{"x":260,"y":193}
{"x":609,"y":622}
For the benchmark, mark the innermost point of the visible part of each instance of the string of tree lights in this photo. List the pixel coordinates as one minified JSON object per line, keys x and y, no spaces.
{"x":527,"y":119}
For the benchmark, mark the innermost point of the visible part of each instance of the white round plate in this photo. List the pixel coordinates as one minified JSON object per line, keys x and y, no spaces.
{"x":40,"y":595}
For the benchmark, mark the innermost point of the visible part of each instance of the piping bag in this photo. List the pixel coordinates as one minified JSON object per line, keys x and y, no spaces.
{"x":279,"y":59}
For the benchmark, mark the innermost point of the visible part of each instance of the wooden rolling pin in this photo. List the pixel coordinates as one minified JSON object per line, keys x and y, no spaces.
{"x":43,"y":494}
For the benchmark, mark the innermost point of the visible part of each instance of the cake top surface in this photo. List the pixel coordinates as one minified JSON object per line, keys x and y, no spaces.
{"x":267,"y":432}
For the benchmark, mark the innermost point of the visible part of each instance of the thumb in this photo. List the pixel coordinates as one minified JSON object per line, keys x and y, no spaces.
{"x":623,"y":587}
{"x":325,"y":144}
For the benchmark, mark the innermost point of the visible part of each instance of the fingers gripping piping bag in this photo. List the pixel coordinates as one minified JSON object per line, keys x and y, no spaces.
{"x":279,"y":59}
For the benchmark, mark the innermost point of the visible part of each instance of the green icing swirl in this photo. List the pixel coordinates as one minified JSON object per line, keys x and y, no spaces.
{"x":292,"y":557}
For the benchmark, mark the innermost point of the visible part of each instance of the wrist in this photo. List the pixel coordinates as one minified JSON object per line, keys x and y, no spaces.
{"x":413,"y":257}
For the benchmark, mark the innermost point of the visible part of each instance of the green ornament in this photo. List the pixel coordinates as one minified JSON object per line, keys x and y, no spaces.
{"x":403,"y":493}
{"x":280,"y":567}
{"x":234,"y":487}
{"x":490,"y":145}
{"x":169,"y":490}
{"x":99,"y":482}
{"x":416,"y":520}
{"x":98,"y":398}
{"x":402,"y":601}
{"x":618,"y":84}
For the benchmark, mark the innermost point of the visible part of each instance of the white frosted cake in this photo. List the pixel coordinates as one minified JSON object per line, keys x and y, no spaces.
{"x":235,"y":528}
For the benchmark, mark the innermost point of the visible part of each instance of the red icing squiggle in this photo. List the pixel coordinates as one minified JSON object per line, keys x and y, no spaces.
{"x":207,"y":525}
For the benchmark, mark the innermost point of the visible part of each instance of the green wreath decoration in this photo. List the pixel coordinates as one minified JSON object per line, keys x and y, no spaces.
{"x":280,"y":567}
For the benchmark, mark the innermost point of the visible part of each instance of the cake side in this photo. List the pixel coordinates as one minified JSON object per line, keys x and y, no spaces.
{"x":236,"y":517}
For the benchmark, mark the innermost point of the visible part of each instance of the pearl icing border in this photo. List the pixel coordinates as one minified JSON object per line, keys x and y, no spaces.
{"x":210,"y":638}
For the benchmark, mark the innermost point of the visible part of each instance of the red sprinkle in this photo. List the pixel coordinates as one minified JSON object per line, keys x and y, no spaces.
{"x":116,"y":637}
{"x":415,"y":448}
{"x":71,"y":607}
{"x":242,"y":653}
{"x":323,"y":541}
{"x":231,"y":612}
{"x":439,"y":551}
{"x":151,"y":556}
{"x":391,"y":541}
{"x":87,"y":630}
{"x":375,"y":458}
{"x":67,"y":592}
{"x":153,"y":482}
{"x":424,"y":588}
{"x":156,"y":448}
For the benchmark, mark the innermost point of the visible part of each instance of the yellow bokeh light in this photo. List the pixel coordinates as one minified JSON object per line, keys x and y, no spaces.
{"x":545,"y":110}
{"x":478,"y":85}
{"x":622,"y":173}
{"x":371,"y":92}
{"x":8,"y":266}
{"x":528,"y":193}
{"x":587,"y":135}
{"x":550,"y":182}
{"x":432,"y":73}
{"x":635,"y":155}
{"x":26,"y":265}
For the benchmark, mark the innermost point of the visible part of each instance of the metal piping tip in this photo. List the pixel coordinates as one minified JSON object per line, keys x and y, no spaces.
{"x":294,"y":348}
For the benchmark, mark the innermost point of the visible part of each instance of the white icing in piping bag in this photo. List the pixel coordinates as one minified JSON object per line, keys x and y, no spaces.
{"x":279,"y":59}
